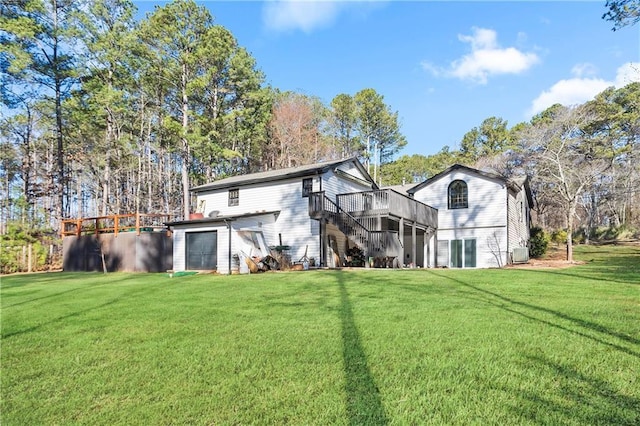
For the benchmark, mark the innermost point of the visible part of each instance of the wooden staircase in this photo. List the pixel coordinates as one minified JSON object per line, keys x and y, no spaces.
{"x":374,"y":243}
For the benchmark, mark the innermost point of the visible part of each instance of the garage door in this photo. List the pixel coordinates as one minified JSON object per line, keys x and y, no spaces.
{"x":202,"y":250}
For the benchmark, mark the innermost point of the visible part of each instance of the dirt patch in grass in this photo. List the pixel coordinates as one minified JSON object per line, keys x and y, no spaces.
{"x":556,"y":257}
{"x":546,"y":263}
{"x":557,"y":254}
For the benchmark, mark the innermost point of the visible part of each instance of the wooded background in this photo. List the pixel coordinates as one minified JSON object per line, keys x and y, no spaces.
{"x":103,"y":114}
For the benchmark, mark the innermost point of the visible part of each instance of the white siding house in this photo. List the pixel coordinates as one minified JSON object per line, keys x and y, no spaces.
{"x":272,"y":207}
{"x":460,"y":218}
{"x":482,"y":217}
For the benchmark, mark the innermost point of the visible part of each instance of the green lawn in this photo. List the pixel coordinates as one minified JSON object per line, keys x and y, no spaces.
{"x":509,"y":346}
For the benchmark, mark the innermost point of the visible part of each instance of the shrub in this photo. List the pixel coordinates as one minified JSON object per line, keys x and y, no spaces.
{"x":625,"y":233}
{"x":578,"y":237}
{"x":539,"y":242}
{"x":559,"y":236}
{"x":613,"y":233}
{"x":16,"y":243}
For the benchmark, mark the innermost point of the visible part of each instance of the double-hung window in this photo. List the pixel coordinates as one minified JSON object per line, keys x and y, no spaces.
{"x":234,"y":197}
{"x":307,"y":187}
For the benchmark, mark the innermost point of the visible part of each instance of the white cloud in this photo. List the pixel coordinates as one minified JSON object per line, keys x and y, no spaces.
{"x":486,"y":59}
{"x":482,"y":39}
{"x":627,"y":73}
{"x":300,"y":15}
{"x":568,"y":92}
{"x":584,"y":70}
{"x":579,"y":89}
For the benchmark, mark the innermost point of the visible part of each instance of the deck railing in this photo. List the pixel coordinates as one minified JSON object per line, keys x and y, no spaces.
{"x":385,"y":243}
{"x":387,"y":202}
{"x":114,"y":224}
{"x":375,"y":243}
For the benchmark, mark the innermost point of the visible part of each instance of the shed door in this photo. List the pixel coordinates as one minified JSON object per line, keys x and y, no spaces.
{"x":202,"y":250}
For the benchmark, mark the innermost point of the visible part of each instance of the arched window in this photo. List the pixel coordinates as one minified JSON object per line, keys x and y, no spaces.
{"x":458,"y":195}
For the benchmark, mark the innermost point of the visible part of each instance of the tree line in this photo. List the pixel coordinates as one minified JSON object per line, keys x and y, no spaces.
{"x":105,"y":114}
{"x":583,"y":162}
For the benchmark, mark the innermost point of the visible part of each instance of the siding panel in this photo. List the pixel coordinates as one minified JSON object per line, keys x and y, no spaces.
{"x":485,"y":219}
{"x":487,"y":201}
{"x":519,"y":232}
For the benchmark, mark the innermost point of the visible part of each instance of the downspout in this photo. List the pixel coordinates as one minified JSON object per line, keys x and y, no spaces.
{"x":228,"y":223}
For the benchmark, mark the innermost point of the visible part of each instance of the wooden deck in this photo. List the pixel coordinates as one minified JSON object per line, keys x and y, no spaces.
{"x":381,"y":203}
{"x":115,"y":224}
{"x":360,"y":217}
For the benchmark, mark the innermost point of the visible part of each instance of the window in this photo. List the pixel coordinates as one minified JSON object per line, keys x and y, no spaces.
{"x":456,"y":254}
{"x":469,"y":253}
{"x":307,"y":187}
{"x":234,"y":197}
{"x":458,"y":195}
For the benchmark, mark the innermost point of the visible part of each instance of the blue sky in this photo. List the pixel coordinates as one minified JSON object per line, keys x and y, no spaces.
{"x":444,"y":66}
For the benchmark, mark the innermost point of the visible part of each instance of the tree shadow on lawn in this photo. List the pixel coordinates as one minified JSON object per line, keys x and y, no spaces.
{"x":583,"y":325}
{"x":364,"y":405}
{"x":575,"y":397}
{"x":621,"y":270}
{"x":82,"y":287}
{"x":123,"y":296}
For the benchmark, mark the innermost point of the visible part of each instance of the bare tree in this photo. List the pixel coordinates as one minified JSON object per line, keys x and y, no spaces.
{"x":568,"y":160}
{"x":296,"y":133}
{"x":493,"y":242}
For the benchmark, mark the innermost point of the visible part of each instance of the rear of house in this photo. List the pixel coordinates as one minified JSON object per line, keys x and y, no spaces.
{"x":460,"y":218}
{"x":482,"y":217}
{"x":248,"y":215}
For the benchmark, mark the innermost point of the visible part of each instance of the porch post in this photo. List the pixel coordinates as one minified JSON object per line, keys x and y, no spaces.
{"x":323,"y":242}
{"x":401,"y":236}
{"x":414,"y":242}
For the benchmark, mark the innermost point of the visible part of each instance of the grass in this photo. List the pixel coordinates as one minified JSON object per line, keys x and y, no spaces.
{"x":509,"y":346}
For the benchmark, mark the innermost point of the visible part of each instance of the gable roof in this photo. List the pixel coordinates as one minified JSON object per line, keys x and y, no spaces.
{"x":402,"y":189}
{"x":282,"y":174}
{"x":515,"y":184}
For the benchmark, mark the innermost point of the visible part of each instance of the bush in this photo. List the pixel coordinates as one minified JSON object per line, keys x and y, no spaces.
{"x":539,"y":242}
{"x":559,"y":236}
{"x":355,"y":256}
{"x":16,"y":243}
{"x":605,"y":234}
